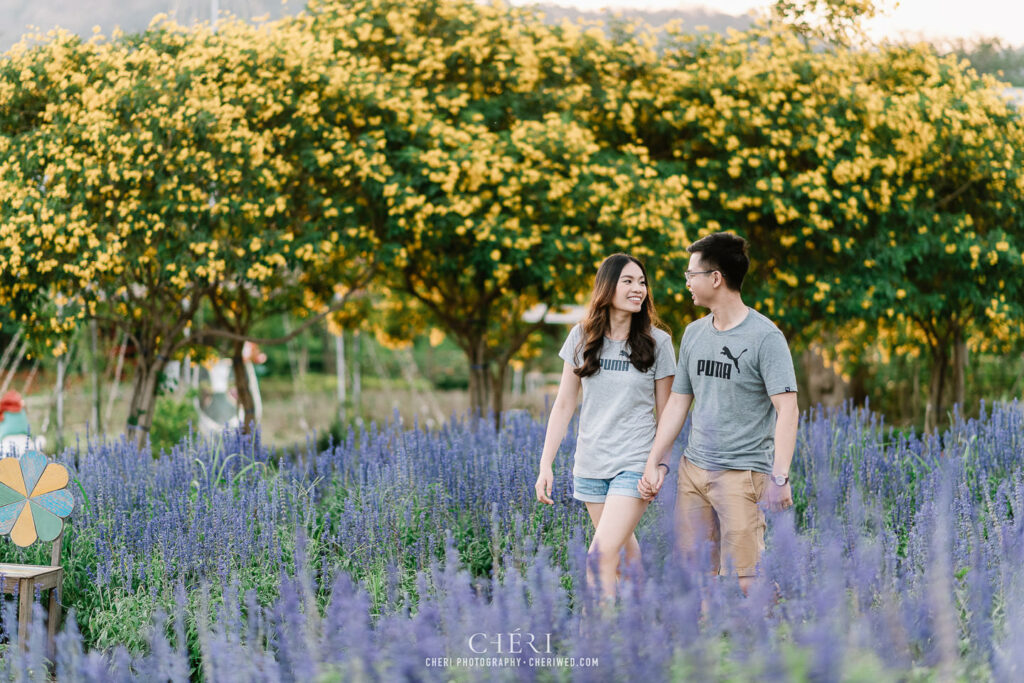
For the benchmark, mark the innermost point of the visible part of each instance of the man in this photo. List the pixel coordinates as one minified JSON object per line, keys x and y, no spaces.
{"x":736,"y":370}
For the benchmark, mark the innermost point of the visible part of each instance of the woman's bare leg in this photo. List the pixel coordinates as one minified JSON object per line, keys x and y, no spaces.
{"x":632,"y":558}
{"x":615,"y":525}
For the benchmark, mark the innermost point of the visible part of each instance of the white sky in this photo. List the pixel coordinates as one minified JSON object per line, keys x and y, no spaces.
{"x":909,"y":18}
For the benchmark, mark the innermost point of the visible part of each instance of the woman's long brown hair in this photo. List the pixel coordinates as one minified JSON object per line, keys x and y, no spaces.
{"x":595,"y":326}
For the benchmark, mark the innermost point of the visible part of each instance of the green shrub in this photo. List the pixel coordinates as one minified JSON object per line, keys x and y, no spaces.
{"x":171,"y":422}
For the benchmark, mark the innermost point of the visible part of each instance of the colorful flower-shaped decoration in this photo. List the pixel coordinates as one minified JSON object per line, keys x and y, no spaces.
{"x":33,"y":498}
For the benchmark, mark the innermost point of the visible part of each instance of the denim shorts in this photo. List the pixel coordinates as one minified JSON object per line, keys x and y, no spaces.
{"x":595,"y":490}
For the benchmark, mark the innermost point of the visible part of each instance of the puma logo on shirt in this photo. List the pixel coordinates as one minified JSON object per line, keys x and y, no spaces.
{"x":714,"y":368}
{"x":616,"y":365}
{"x":735,"y":359}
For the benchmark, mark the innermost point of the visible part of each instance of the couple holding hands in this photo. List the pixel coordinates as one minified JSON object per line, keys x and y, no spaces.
{"x":735,"y":373}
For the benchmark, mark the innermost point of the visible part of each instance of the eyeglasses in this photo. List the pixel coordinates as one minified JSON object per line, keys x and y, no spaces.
{"x":691,"y":273}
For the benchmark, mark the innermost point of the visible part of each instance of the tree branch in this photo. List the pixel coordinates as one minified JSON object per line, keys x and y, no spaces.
{"x":442,"y":314}
{"x":118,"y":323}
{"x":517,"y":341}
{"x":956,"y":193}
{"x":204,"y":336}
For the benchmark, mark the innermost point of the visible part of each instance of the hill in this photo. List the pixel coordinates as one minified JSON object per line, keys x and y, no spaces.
{"x":17,"y":16}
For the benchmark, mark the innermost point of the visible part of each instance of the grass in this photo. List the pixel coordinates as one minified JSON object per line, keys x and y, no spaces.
{"x":288,"y":418}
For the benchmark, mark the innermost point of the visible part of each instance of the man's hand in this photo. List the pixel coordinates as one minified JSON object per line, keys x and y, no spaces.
{"x":650,"y":483}
{"x":779,"y":497}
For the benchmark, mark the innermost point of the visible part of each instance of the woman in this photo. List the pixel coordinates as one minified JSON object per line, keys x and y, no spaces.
{"x":625,"y":365}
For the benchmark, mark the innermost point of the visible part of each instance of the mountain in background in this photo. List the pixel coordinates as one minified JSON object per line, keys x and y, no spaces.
{"x":987,"y":55}
{"x":692,"y":19}
{"x":80,"y":16}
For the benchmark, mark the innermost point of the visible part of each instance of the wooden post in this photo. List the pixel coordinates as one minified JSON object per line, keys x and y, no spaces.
{"x":339,"y":353}
{"x":25,"y":599}
{"x":117,"y":377}
{"x":298,"y":361}
{"x":14,"y":365}
{"x":55,"y":549}
{"x":11,"y":346}
{"x":52,"y":618}
{"x":357,"y":371}
{"x":53,"y":613}
{"x":59,"y":421}
{"x":960,"y":358}
{"x":97,"y":400}
{"x":186,"y":376}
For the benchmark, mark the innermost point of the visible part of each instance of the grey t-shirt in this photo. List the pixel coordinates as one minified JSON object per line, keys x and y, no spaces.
{"x":617,"y":421}
{"x":732,"y":375}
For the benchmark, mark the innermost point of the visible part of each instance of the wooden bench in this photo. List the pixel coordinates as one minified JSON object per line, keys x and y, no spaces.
{"x":34,"y":501}
{"x":24,"y":579}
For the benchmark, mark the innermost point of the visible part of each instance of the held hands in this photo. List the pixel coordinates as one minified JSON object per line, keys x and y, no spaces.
{"x":650,"y":483}
{"x":543,"y":486}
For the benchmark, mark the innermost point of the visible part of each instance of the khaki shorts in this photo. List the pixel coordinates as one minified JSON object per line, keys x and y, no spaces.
{"x":720,"y":508}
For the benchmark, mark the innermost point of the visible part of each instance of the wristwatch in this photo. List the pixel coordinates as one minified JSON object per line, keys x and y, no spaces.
{"x":780,"y":479}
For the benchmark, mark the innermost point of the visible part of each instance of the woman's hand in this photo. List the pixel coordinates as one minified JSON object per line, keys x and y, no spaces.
{"x":543,"y":486}
{"x":650,"y":483}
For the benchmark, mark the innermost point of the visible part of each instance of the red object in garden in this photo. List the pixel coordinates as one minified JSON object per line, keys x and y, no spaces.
{"x":11,"y":403}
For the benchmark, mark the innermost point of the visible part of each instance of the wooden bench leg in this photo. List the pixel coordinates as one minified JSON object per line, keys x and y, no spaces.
{"x":26,"y":596}
{"x":52,"y":620}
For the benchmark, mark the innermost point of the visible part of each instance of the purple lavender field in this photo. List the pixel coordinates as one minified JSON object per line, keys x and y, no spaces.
{"x":404,"y":554}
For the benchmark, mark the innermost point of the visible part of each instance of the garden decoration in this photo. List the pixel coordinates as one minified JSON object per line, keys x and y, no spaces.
{"x":15,"y":435}
{"x":34,"y":501}
{"x":217,"y":401}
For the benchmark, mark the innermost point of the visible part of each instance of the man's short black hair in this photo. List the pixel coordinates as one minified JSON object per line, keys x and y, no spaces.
{"x":725,"y":252}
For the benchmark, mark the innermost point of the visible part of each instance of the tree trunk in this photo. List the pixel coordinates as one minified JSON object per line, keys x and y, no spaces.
{"x":936,"y":387}
{"x":298,"y":359}
{"x":821,"y":384}
{"x":357,"y":371}
{"x":479,"y":389}
{"x":62,"y":368}
{"x":329,"y":359}
{"x":339,"y":370}
{"x":479,"y":378}
{"x":498,"y":394}
{"x":11,"y":346}
{"x":959,"y":368}
{"x":115,"y":386}
{"x":14,"y":365}
{"x":859,"y":384}
{"x":915,"y":392}
{"x":94,"y":370}
{"x":140,"y":413}
{"x":245,"y":398}
{"x":135,"y":404}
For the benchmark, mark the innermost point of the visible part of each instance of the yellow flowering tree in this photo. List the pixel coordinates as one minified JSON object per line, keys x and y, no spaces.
{"x":501,"y":198}
{"x":115,"y":183}
{"x":487,"y":161}
{"x":879,"y":186}
{"x":296,"y":178}
{"x":36,"y":236}
{"x":179,"y":166}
